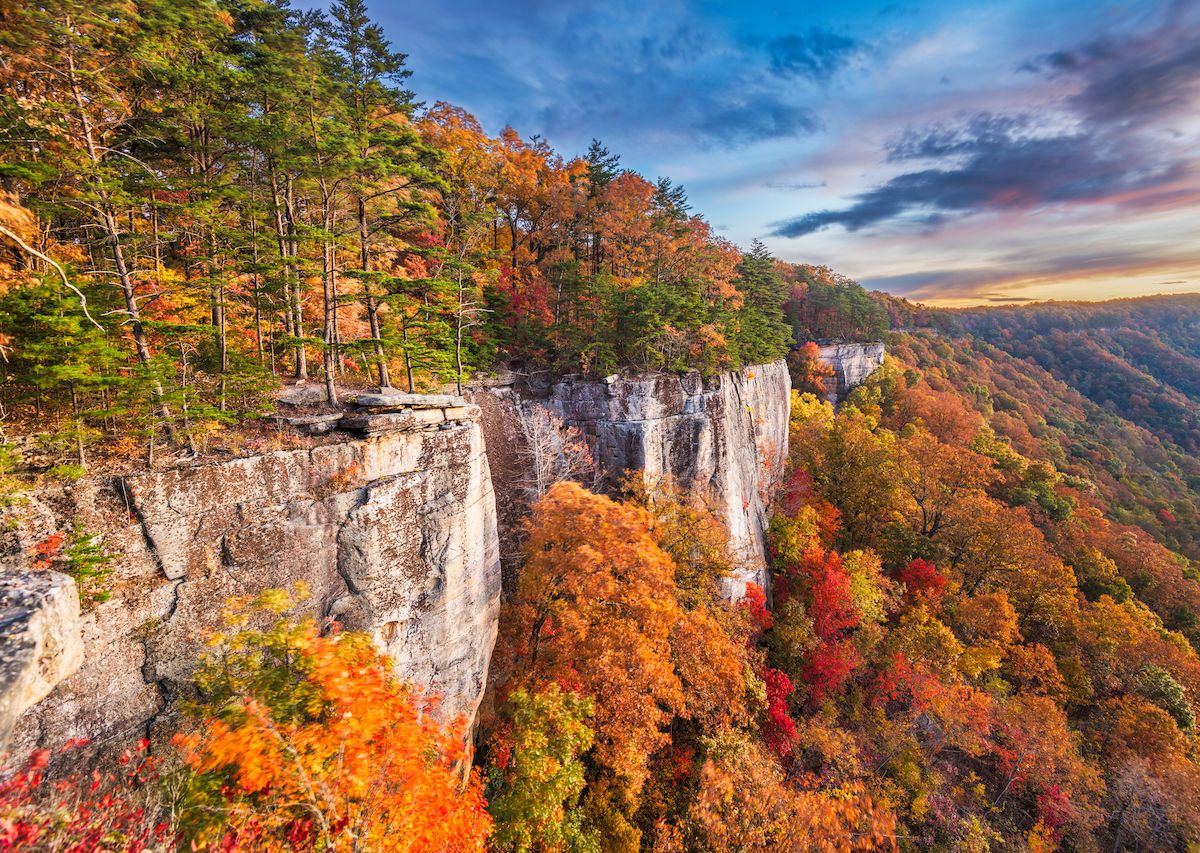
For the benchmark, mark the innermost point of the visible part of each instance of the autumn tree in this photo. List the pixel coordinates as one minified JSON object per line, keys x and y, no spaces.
{"x":588,"y":615}
{"x":536,"y":772}
{"x":307,"y":741}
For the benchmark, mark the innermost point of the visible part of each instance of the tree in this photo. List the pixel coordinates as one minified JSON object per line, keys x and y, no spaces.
{"x":589,"y":615}
{"x":932,"y":477}
{"x":391,"y":165}
{"x":308,"y":742}
{"x":808,"y":373}
{"x":743,"y":803}
{"x":536,"y":774}
{"x":763,"y":335}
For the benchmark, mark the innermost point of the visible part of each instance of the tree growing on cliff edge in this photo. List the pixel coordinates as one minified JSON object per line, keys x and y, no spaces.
{"x":762,"y":333}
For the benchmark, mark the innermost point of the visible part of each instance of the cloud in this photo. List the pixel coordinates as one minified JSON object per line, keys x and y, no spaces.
{"x":1096,"y":145}
{"x":816,"y":55}
{"x":1131,"y":79}
{"x":795,"y":186}
{"x":1001,"y":167}
{"x":763,"y":117}
{"x":1005,"y":277}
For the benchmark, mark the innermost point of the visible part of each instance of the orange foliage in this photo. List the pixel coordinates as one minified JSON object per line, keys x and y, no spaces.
{"x":744,"y":804}
{"x":312,"y":744}
{"x":590,"y":614}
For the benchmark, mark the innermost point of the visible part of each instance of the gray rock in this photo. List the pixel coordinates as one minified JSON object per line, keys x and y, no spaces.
{"x":40,"y":642}
{"x":725,"y":437}
{"x":386,"y":400}
{"x":394,"y":535}
{"x":852,"y":364}
{"x":467,"y":412}
{"x":302,"y":394}
{"x":384,"y":422}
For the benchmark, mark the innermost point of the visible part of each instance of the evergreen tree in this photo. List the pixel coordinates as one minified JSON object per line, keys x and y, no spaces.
{"x":762,"y":333}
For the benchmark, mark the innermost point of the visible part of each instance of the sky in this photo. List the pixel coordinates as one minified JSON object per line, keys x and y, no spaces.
{"x":952,"y":152}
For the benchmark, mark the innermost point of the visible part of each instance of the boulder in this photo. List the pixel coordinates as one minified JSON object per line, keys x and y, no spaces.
{"x":301,"y":394}
{"x":390,"y":400}
{"x":40,"y":643}
{"x":372,"y":423}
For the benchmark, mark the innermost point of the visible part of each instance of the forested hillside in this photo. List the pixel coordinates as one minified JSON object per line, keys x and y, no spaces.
{"x":1139,"y":358}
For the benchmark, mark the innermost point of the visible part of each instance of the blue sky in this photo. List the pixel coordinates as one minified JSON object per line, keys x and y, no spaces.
{"x":954,"y":152}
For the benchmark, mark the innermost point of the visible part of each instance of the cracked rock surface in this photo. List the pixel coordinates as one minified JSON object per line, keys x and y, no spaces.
{"x":394,"y":534}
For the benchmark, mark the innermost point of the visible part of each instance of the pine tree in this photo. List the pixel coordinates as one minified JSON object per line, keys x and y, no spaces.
{"x":762,"y":333}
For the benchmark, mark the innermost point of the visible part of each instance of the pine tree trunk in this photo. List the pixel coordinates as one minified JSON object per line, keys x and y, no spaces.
{"x":381,"y":367}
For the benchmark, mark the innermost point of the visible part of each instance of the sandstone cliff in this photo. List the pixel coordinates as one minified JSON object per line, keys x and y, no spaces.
{"x":394,"y":534}
{"x":852,"y":364}
{"x":725,"y":436}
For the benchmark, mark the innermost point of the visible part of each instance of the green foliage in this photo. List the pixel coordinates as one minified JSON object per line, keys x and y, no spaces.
{"x":85,"y":559}
{"x":1157,"y":685}
{"x":242,"y":191}
{"x":829,"y":306}
{"x":533,"y":797}
{"x":11,"y":488}
{"x":762,"y":333}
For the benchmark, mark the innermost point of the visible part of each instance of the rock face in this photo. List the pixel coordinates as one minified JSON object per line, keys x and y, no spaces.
{"x":394,"y":534}
{"x":852,"y":364}
{"x":40,"y":642}
{"x":725,"y":436}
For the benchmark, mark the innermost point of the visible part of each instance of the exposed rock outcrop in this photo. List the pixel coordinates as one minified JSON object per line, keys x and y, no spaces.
{"x":40,"y":642}
{"x":725,"y":436}
{"x":852,"y":364}
{"x":394,"y":534}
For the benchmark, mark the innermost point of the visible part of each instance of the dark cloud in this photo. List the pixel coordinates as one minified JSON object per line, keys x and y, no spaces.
{"x":1002,"y":162}
{"x":815,"y":55}
{"x":764,"y":117}
{"x":1000,"y":167}
{"x":1129,"y":80}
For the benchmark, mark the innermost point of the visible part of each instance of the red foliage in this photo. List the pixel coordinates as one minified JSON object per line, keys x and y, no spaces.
{"x":829,"y":667}
{"x":80,"y":814}
{"x":922,"y":582}
{"x":47,"y":550}
{"x":755,"y":605}
{"x":830,"y":603}
{"x":778,"y":727}
{"x":1054,"y":809}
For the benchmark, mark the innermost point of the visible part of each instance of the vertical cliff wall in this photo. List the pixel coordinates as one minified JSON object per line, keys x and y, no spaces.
{"x":852,"y":364}
{"x":394,"y":534}
{"x":724,"y":436}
